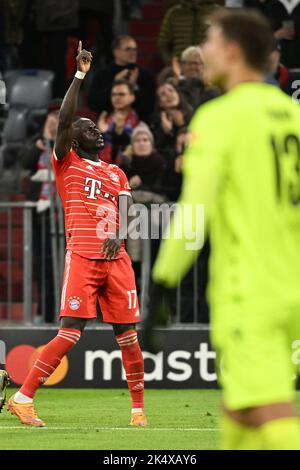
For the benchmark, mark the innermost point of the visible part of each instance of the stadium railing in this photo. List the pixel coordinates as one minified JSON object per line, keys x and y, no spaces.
{"x":18,"y":283}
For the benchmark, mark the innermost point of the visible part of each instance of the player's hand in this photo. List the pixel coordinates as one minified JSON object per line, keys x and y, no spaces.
{"x":111,"y":248}
{"x":158,"y":310}
{"x":83,"y":59}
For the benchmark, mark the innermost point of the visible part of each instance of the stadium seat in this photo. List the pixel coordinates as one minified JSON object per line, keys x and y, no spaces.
{"x":15,"y":126}
{"x":31,"y":89}
{"x":13,"y":136}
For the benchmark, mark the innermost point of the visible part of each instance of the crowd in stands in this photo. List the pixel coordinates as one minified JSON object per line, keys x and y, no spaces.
{"x":143,"y":118}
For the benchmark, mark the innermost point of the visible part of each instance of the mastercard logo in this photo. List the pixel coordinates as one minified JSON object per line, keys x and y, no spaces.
{"x":20,"y":360}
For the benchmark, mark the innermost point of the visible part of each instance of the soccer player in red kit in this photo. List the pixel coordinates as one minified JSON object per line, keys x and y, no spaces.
{"x":96,"y":197}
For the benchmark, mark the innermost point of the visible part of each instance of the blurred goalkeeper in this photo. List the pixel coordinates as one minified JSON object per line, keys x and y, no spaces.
{"x":243,"y":165}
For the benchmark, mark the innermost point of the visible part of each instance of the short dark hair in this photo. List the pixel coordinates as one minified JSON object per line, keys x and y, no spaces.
{"x":119,"y":39}
{"x":251,"y":31}
{"x":124,"y":82}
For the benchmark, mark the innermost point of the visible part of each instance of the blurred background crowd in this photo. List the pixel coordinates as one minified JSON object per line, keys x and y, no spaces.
{"x":147,"y":80}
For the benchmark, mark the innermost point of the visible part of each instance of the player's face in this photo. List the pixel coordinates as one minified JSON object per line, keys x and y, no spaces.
{"x":217,"y":56}
{"x":89,"y":137}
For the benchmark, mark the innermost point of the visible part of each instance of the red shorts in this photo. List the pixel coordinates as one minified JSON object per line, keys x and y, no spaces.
{"x":112,"y":282}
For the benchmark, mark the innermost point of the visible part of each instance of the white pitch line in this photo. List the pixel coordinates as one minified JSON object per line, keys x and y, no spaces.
{"x":72,"y":428}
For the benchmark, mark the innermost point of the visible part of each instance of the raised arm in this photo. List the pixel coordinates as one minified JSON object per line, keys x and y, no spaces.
{"x":69,"y":105}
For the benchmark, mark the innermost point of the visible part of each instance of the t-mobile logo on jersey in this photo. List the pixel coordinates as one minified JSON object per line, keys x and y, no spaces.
{"x":92,"y":187}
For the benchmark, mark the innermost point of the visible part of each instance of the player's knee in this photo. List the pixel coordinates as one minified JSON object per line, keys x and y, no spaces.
{"x":119,"y":329}
{"x":75,"y":323}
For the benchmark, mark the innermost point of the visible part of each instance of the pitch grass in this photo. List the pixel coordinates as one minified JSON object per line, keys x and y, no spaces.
{"x":98,"y":419}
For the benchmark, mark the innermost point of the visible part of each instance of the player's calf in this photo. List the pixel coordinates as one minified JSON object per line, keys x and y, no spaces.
{"x":46,"y":364}
{"x":133,"y":363}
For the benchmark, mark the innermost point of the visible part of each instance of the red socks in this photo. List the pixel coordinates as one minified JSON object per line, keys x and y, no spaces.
{"x":133,"y":363}
{"x":66,"y":338}
{"x":49,"y":359}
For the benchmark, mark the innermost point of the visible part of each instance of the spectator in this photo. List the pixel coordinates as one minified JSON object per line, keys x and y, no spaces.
{"x":146,"y":165}
{"x":285,"y":20}
{"x":144,"y":175}
{"x":189,"y":73}
{"x":119,"y":124}
{"x":173,"y":113}
{"x":166,"y":75}
{"x":36,"y":157}
{"x":184,"y":25}
{"x":11,"y":32}
{"x":124,"y":67}
{"x":277,"y":73}
{"x":181,"y":141}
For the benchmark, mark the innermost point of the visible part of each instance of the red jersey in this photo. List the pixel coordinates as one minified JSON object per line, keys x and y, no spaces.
{"x":89,"y":192}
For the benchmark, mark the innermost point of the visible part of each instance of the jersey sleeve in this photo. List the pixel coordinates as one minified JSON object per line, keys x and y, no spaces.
{"x":203,"y":171}
{"x":59,"y":165}
{"x":125,"y":189}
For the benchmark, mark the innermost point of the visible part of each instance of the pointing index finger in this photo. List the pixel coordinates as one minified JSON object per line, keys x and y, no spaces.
{"x":79,"y":47}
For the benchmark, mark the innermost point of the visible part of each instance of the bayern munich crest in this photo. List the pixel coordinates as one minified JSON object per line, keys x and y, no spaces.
{"x":114,"y":177}
{"x":74,"y":303}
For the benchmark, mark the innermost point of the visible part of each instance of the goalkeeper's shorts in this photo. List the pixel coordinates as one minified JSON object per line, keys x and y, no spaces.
{"x":258,"y":354}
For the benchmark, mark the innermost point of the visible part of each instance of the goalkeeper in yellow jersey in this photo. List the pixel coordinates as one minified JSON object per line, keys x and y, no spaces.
{"x":243,"y":165}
